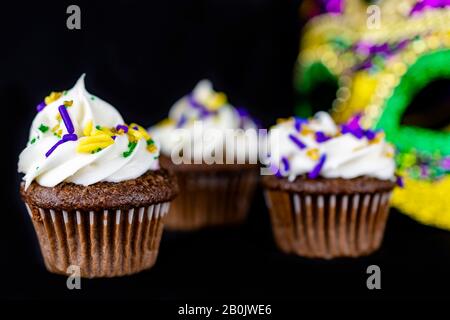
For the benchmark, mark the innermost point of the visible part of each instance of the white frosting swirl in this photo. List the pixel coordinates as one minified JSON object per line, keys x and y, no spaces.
{"x":67,"y":164}
{"x":204,"y":124}
{"x":346,"y":156}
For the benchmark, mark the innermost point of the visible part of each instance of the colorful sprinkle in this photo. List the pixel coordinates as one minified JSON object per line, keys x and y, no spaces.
{"x":285,"y":162}
{"x":43,"y":128}
{"x":91,"y":143}
{"x":321,"y":137}
{"x":131,"y":146}
{"x":297,"y":141}
{"x":318,"y":167}
{"x":66,"y":118}
{"x":33,"y":141}
{"x":68,"y":103}
{"x":298,"y":122}
{"x":40,"y":106}
{"x":313,"y":154}
{"x":181,"y":121}
{"x":122,"y":127}
{"x":65,"y":138}
{"x":53,"y":96}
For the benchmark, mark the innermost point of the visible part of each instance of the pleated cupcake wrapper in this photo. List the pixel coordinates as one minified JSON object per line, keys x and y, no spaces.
{"x":108,"y":243}
{"x":209,"y":199}
{"x":328,"y":226}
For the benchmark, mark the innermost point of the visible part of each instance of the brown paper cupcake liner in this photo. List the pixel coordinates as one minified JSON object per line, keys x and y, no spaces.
{"x":211,"y":198}
{"x":109,"y":243}
{"x":328,"y":225}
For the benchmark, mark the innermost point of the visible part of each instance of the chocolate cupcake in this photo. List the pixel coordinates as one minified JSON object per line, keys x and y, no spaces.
{"x":93,"y":187}
{"x":216,"y":179}
{"x":329,"y":195}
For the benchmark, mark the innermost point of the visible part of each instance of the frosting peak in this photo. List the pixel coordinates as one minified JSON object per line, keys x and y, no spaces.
{"x":77,"y":137}
{"x":318,"y":147}
{"x":208,"y":106}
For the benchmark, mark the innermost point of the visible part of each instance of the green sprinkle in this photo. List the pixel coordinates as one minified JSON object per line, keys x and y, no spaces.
{"x":156,"y":157}
{"x":43,"y":128}
{"x":64,"y":92}
{"x":92,"y":98}
{"x":150,"y":142}
{"x":95,"y":151}
{"x":56,"y":135}
{"x":131,"y":146}
{"x":98,"y":127}
{"x":33,"y":141}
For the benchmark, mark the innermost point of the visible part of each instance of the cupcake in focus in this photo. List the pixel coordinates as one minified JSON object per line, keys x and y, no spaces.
{"x":329,"y":194}
{"x":216,"y":178}
{"x":93,"y":187}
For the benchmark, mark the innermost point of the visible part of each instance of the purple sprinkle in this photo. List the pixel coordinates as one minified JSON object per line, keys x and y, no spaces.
{"x":321,"y":137}
{"x":318,"y":167}
{"x":370,"y":134}
{"x":65,"y":138}
{"x":243,"y":112}
{"x":424,"y":171}
{"x":297,"y":141}
{"x":275,"y":171}
{"x":40,"y":106}
{"x":181,"y":121}
{"x":285,"y":162}
{"x":298,"y":123}
{"x":135,"y":128}
{"x":399,"y":181}
{"x":66,"y":118}
{"x":425,"y":4}
{"x":122,"y":127}
{"x":114,"y":137}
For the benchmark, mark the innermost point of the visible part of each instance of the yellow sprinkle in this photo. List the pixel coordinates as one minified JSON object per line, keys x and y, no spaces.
{"x":88,"y":128}
{"x":283,"y":120}
{"x":313,"y":153}
{"x":305,"y":131}
{"x":216,"y":101}
{"x":53,"y":96}
{"x":138,"y":134}
{"x":59,"y":132}
{"x":58,"y":117}
{"x":68,"y":103}
{"x":55,"y":128}
{"x":152,"y":148}
{"x":378,"y":138}
{"x":389,"y":154}
{"x":93,"y":143}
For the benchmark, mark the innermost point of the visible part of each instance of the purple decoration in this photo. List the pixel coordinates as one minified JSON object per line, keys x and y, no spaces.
{"x":204,"y":112}
{"x":428,"y":4}
{"x":135,"y":128}
{"x":275,"y":171}
{"x":370,"y":134}
{"x":243,"y":112}
{"x":122,"y":127}
{"x":353,"y":127}
{"x":297,"y":141}
{"x":65,"y":138}
{"x":321,"y":137}
{"x":399,"y":181}
{"x":424,"y":171}
{"x":114,"y":137}
{"x":285,"y":162}
{"x":318,"y":167}
{"x":181,"y":121}
{"x":40,"y":106}
{"x":299,"y":123}
{"x":66,"y":118}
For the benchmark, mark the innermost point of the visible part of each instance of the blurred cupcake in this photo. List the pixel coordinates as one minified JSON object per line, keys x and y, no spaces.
{"x":216,"y":175}
{"x":329,"y":196}
{"x":93,"y":187}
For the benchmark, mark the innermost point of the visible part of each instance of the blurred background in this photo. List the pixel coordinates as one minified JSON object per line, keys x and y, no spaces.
{"x":141,"y":57}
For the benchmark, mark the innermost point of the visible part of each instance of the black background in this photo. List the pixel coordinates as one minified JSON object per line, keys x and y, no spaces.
{"x":141,"y":57}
